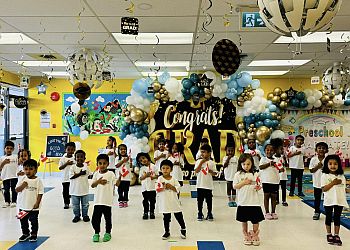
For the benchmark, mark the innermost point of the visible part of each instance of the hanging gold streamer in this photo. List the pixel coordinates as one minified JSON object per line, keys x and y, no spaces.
{"x":131,"y":8}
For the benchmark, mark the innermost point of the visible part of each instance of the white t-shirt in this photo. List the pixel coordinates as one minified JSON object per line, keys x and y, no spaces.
{"x":336,"y":195}
{"x":269,"y":174}
{"x":158,"y":153}
{"x":104,"y":193}
{"x":9,"y":171}
{"x":112,"y":158}
{"x":316,"y":177}
{"x":63,"y":160}
{"x":124,"y":170}
{"x":281,"y":160}
{"x":297,"y":161}
{"x":204,"y":178}
{"x":148,"y":184}
{"x":177,"y":169}
{"x":80,"y":185}
{"x":247,"y":195}
{"x":28,"y":197}
{"x":231,"y":169}
{"x":256,"y":154}
{"x":167,"y":199}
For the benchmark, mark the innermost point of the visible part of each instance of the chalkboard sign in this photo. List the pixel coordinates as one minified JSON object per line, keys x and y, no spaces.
{"x":55,"y":145}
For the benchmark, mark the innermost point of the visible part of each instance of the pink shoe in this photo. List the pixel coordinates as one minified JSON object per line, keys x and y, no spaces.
{"x":126,"y":204}
{"x":268,"y":216}
{"x":274,"y":216}
{"x":121,"y":204}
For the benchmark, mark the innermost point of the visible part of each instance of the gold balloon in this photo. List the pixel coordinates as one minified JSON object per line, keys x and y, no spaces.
{"x":245,"y":140}
{"x":157,"y":96}
{"x":156,"y":86}
{"x":240,"y":98}
{"x":251,"y":94}
{"x":254,"y":129}
{"x":242,"y":134}
{"x":276,"y":99}
{"x":246,"y":98}
{"x":162,"y":95}
{"x":251,"y":135}
{"x":279,"y":117}
{"x":283,"y":104}
{"x":277,"y":91}
{"x":240,"y":103}
{"x":127,"y":119}
{"x":270,"y":96}
{"x":262,"y":134}
{"x":166,"y":92}
{"x":325,"y":98}
{"x":251,"y":125}
{"x":284,"y":96}
{"x":137,"y":115}
{"x":127,"y":113}
{"x":165,"y":99}
{"x":161,"y":91}
{"x":329,"y":104}
{"x":130,"y":107}
{"x":250,"y":129}
{"x":240,"y":126}
{"x":274,"y":115}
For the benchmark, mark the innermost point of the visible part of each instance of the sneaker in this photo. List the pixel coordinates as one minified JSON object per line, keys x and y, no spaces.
{"x":301,"y":194}
{"x":66,"y":206}
{"x":24,"y":237}
{"x":291,"y":194}
{"x":6,"y":204}
{"x":274,"y":216}
{"x":183,"y":233}
{"x":337,"y":241}
{"x":33,"y":238}
{"x":121,"y":204}
{"x":234,"y":204}
{"x":152,"y":216}
{"x":166,"y":236}
{"x":210,"y":217}
{"x":96,"y":238}
{"x":86,"y":218}
{"x":106,"y":237}
{"x":200,"y":217}
{"x":268,"y":216}
{"x":316,"y":216}
{"x":76,"y":219}
{"x":285,"y":204}
{"x":13,"y":204}
{"x":145,"y":216}
{"x":330,"y":239}
{"x":230,"y":204}
{"x":126,"y":204}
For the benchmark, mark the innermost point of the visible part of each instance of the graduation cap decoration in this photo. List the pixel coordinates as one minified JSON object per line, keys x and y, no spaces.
{"x":129,"y":25}
{"x":226,"y":57}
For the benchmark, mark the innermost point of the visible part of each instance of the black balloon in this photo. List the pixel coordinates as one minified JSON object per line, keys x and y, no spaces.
{"x":226,"y":57}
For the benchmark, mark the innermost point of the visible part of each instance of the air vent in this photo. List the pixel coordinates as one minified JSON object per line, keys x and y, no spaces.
{"x":48,"y":57}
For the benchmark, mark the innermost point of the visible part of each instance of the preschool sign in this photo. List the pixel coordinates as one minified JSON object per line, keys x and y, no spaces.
{"x":334,"y":129}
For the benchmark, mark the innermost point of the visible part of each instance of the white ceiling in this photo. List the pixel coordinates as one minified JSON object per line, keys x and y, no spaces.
{"x":55,"y":26}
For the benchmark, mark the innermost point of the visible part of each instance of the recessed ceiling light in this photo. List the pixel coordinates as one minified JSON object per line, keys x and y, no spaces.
{"x":317,"y":37}
{"x":43,"y":63}
{"x":267,"y":73}
{"x":162,"y":63}
{"x":278,"y":62}
{"x":160,"y":73}
{"x":151,"y":38}
{"x":15,"y":38}
{"x":144,"y":6}
{"x":56,"y":73}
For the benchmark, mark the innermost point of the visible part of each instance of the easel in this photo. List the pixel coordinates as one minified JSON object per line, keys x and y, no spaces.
{"x":50,"y":169}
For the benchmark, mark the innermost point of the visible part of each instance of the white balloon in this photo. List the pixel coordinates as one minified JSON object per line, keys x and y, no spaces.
{"x":75,"y":107}
{"x":77,"y":145}
{"x":311,"y":99}
{"x":308,"y":92}
{"x":317,"y":94}
{"x":277,"y":134}
{"x":259,"y":92}
{"x":318,"y":104}
{"x":224,"y":87}
{"x":84,"y":135}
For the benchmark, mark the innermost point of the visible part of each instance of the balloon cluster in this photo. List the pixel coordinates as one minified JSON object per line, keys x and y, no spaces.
{"x":139,"y":95}
{"x":134,"y":115}
{"x":160,"y":92}
{"x":278,"y":97}
{"x":173,"y":87}
{"x":313,"y":98}
{"x":136,"y":145}
{"x":137,"y":130}
{"x":327,"y":98}
{"x":191,"y":87}
{"x":246,"y":95}
{"x":255,"y":106}
{"x":299,"y":100}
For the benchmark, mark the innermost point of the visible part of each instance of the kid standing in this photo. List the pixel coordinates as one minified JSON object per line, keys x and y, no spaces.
{"x":124,"y":167}
{"x":176,"y":157}
{"x":296,"y":165}
{"x":333,"y":185}
{"x":8,"y":168}
{"x":160,"y":154}
{"x":205,"y":170}
{"x":30,"y":191}
{"x":316,"y":165}
{"x":247,"y":183}
{"x":204,"y":141}
{"x":23,"y":155}
{"x":147,"y":175}
{"x":65,"y":164}
{"x":270,"y":181}
{"x":104,"y":182}
{"x":111,"y":152}
{"x":167,"y":188}
{"x":255,"y":153}
{"x":230,"y":168}
{"x":79,"y":187}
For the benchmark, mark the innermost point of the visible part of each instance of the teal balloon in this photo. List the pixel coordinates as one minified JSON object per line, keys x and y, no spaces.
{"x":185,"y":91}
{"x":303,"y":103}
{"x":187,"y":83}
{"x":272,"y":108}
{"x":193,"y":90}
{"x":268,"y":123}
{"x":259,"y":124}
{"x":295,"y":102}
{"x":194,"y":78}
{"x":300,"y":95}
{"x":347,"y":102}
{"x":275,"y":123}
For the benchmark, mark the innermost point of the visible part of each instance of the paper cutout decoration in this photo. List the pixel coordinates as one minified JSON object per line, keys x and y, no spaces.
{"x":21,"y":214}
{"x":159,"y":187}
{"x":205,"y":170}
{"x":41,"y":88}
{"x":129,"y":25}
{"x":226,"y":57}
{"x":124,"y":171}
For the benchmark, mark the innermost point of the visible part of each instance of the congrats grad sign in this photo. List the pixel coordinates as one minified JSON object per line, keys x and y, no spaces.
{"x":189,"y":122}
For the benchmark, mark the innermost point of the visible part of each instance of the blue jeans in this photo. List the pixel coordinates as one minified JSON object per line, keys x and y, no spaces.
{"x":84,"y":205}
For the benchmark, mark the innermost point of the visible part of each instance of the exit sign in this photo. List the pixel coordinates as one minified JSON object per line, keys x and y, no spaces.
{"x":251,"y":20}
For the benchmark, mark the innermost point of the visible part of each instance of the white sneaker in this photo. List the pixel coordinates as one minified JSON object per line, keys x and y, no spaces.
{"x":6,"y":204}
{"x":13,"y":204}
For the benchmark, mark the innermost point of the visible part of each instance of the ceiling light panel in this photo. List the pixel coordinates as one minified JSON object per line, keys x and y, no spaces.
{"x":259,"y":63}
{"x":162,"y":63}
{"x":56,"y":73}
{"x":43,"y":63}
{"x":160,"y":73}
{"x":317,"y":37}
{"x":15,"y":38}
{"x":151,"y":38}
{"x":267,"y":73}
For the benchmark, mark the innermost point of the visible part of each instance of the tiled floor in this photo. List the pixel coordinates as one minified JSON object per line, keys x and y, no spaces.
{"x":294,"y":230}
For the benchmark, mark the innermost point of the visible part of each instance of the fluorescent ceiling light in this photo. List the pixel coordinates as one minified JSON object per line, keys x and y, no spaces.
{"x":317,"y":37}
{"x":267,"y":73}
{"x":162,"y":63}
{"x":151,"y":38}
{"x":258,"y":63}
{"x":43,"y":63}
{"x":56,"y":73}
{"x":160,"y":73}
{"x":15,"y":38}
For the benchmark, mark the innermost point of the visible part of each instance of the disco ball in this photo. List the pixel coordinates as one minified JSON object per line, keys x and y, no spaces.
{"x":336,"y":79}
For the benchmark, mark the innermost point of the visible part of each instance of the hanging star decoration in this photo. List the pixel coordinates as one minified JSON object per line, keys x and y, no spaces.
{"x":41,"y":88}
{"x":205,"y":81}
{"x":291,"y":93}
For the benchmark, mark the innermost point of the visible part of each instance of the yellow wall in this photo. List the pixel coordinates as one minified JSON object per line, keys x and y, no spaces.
{"x":10,"y":78}
{"x":37,"y":136}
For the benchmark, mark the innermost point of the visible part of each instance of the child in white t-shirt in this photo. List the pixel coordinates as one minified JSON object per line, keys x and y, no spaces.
{"x":205,"y":169}
{"x":79,"y":187}
{"x":110,"y":150}
{"x":124,"y":166}
{"x":147,"y":176}
{"x":103,"y":181}
{"x":23,"y":155}
{"x":315,"y":166}
{"x":296,"y":165}
{"x":160,"y":154}
{"x":230,"y":162}
{"x":8,"y":169}
{"x":168,"y":202}
{"x":65,"y":163}
{"x":177,"y":158}
{"x":30,"y":191}
{"x":333,"y":185}
{"x":254,"y":152}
